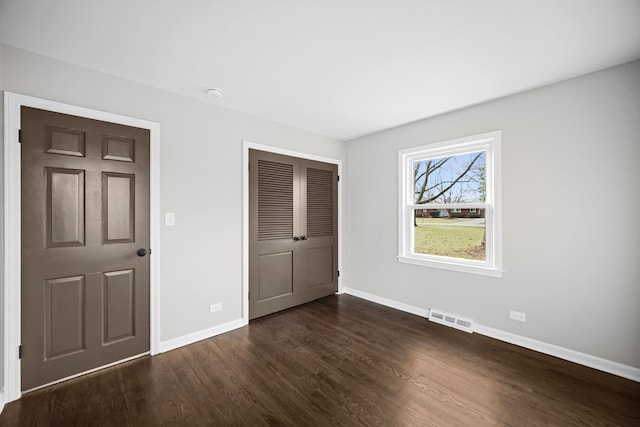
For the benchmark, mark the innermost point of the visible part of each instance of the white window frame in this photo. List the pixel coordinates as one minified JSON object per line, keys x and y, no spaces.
{"x":490,"y":143}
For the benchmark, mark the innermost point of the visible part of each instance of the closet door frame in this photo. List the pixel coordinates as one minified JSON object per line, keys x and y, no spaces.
{"x":246,"y":146}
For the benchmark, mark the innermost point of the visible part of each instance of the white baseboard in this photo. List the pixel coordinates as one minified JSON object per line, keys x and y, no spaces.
{"x":200,"y":335}
{"x":584,"y":359}
{"x":422,"y":312}
{"x":594,"y":362}
{"x":1,"y":401}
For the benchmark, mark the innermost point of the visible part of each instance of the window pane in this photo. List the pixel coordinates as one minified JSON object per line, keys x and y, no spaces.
{"x":454,"y":179}
{"x":446,"y":233}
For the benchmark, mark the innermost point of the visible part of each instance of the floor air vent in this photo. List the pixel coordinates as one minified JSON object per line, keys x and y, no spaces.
{"x":451,"y":320}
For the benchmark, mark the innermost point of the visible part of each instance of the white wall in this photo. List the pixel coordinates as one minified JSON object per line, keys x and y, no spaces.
{"x":201,"y":172}
{"x":1,"y":236}
{"x":571,"y":186}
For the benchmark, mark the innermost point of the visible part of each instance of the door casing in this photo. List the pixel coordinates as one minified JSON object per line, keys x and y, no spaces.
{"x":12,"y":214}
{"x":246,"y":146}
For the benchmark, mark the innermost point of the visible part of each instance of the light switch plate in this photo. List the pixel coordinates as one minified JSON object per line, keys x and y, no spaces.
{"x":169,"y":219}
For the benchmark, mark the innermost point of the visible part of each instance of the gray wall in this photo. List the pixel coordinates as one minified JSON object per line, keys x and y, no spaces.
{"x":571,"y":181}
{"x":201,"y":173}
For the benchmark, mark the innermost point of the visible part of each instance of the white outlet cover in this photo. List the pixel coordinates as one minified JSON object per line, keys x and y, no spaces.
{"x":518,"y":316}
{"x":169,"y":219}
{"x":215,"y":307}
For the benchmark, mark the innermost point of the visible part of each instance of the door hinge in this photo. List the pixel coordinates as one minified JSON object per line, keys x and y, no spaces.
{"x":338,"y":177}
{"x":19,"y":135}
{"x":338,"y":273}
{"x":20,"y":351}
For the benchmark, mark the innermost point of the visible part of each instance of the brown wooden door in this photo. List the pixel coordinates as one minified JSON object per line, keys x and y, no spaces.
{"x":85,"y":213}
{"x":293,"y":232}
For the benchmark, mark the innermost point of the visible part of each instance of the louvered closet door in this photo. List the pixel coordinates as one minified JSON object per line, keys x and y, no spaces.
{"x":293,"y":232}
{"x":319,"y":263}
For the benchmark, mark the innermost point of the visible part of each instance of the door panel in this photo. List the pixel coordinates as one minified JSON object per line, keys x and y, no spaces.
{"x":320,"y":265}
{"x":292,"y":232}
{"x":118,"y":207}
{"x":64,"y":316}
{"x":275,"y":200}
{"x":119,"y":305}
{"x":85,"y":212}
{"x":69,"y":142}
{"x":65,"y":207}
{"x":118,"y":148}
{"x":320,"y":209}
{"x":275,"y":275}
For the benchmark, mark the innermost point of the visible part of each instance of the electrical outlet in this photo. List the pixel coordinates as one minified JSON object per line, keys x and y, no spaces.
{"x":170,"y":219}
{"x":518,"y":316}
{"x":215,"y":307}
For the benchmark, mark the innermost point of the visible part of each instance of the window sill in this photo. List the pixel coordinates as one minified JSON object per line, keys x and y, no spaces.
{"x":452,"y":265}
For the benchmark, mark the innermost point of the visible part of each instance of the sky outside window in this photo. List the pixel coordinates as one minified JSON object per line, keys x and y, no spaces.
{"x":453,"y":179}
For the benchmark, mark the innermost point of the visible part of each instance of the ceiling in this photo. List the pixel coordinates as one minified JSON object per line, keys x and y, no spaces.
{"x":340,"y":68}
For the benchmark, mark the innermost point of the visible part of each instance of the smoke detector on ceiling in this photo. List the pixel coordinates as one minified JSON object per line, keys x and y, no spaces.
{"x":214,"y":93}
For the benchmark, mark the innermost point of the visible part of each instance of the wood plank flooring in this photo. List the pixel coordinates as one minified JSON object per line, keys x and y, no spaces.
{"x":339,"y":361}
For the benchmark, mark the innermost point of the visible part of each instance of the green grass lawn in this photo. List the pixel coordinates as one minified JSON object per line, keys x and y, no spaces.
{"x":453,"y":241}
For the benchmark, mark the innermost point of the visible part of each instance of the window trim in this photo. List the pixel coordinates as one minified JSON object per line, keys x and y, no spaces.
{"x":491,"y":143}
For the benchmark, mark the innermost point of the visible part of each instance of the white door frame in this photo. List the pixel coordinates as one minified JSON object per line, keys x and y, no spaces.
{"x":246,"y":146}
{"x":12,"y":257}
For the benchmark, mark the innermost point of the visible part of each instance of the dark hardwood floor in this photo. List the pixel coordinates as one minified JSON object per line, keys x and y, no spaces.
{"x":338,"y":361}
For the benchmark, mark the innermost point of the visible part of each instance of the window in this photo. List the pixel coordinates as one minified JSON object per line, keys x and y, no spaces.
{"x":449,"y":213}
